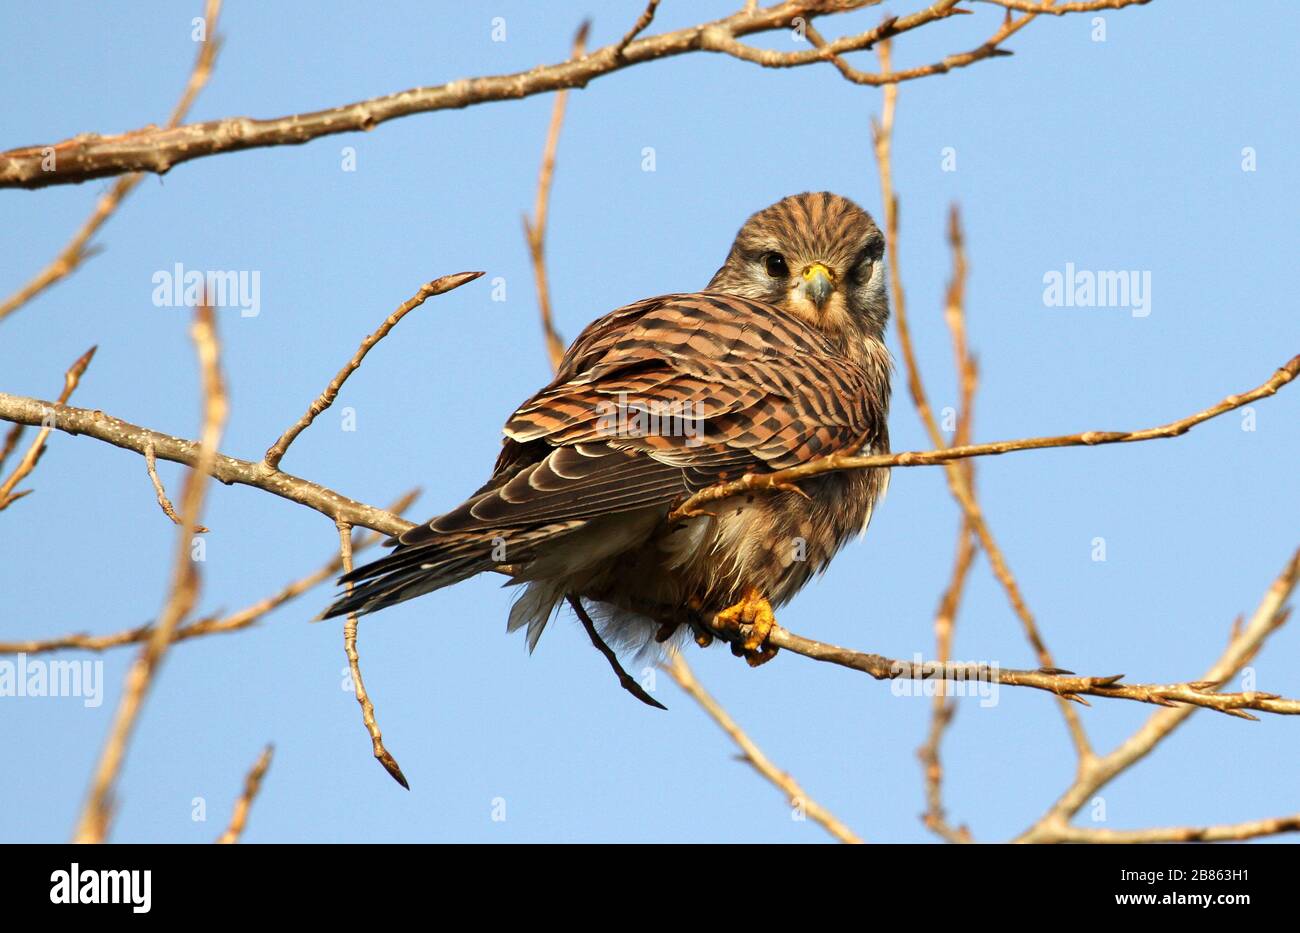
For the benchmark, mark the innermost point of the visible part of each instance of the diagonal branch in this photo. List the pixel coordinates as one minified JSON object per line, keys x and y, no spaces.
{"x":535,"y":229}
{"x":25,"y":466}
{"x":439,"y":286}
{"x":252,"y":784}
{"x":681,"y":672}
{"x":1271,"y":614}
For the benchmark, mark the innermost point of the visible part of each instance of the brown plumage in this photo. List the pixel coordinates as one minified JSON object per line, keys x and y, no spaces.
{"x":779,"y":361}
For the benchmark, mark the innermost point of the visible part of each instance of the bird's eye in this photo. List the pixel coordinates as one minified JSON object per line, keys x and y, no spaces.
{"x":776,"y":266}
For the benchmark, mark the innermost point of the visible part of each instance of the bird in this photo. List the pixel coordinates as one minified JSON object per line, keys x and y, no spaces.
{"x":778,"y":361}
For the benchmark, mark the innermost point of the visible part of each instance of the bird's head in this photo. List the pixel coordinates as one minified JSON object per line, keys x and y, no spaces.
{"x":816,"y":255}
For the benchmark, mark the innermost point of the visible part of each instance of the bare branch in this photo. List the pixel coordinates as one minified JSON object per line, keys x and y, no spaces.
{"x":1188,"y":696}
{"x":681,"y":672}
{"x":93,"y":823}
{"x":638,"y":27}
{"x":354,"y":664}
{"x":78,"y":251}
{"x":1271,"y":613}
{"x":1226,"y":832}
{"x":535,"y":229}
{"x":151,"y":464}
{"x":1060,"y":9}
{"x":228,"y":470}
{"x":159,"y":150}
{"x":252,"y":784}
{"x":756,"y":482}
{"x":959,"y":480}
{"x":439,"y":286}
{"x":942,"y":710}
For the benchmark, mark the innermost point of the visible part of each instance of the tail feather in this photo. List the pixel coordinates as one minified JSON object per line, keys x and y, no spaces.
{"x":413,"y":570}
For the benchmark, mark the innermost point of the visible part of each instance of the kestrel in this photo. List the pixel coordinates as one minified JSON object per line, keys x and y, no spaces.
{"x":778,"y":361}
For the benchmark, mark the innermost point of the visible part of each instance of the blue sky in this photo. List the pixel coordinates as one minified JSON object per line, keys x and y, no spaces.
{"x":1117,"y":155}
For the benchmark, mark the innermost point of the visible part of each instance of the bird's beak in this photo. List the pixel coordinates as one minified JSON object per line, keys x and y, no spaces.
{"x":818,"y":283}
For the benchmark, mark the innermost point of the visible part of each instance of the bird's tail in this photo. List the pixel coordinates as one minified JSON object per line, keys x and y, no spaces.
{"x":437,"y":560}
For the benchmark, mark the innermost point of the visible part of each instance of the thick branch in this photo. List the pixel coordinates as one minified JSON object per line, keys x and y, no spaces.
{"x":151,"y":149}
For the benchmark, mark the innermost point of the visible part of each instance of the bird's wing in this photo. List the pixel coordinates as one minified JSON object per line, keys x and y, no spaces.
{"x":753,"y":390}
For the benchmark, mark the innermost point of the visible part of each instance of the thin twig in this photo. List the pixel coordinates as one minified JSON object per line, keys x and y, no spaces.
{"x":354,"y":664}
{"x":151,"y":464}
{"x":535,"y":229}
{"x":252,"y":784}
{"x":1224,"y":832}
{"x":942,"y":709}
{"x":625,"y":679}
{"x":681,"y":672}
{"x":78,"y":251}
{"x":638,"y":27}
{"x":93,"y":823}
{"x":275,"y":453}
{"x":28,"y":463}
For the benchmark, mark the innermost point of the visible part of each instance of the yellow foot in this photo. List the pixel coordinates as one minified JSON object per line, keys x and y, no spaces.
{"x":753,"y":613}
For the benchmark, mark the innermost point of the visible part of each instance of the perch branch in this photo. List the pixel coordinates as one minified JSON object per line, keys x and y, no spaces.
{"x":764,"y":481}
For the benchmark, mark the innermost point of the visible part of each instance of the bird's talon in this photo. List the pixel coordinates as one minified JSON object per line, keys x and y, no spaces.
{"x":747,"y":625}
